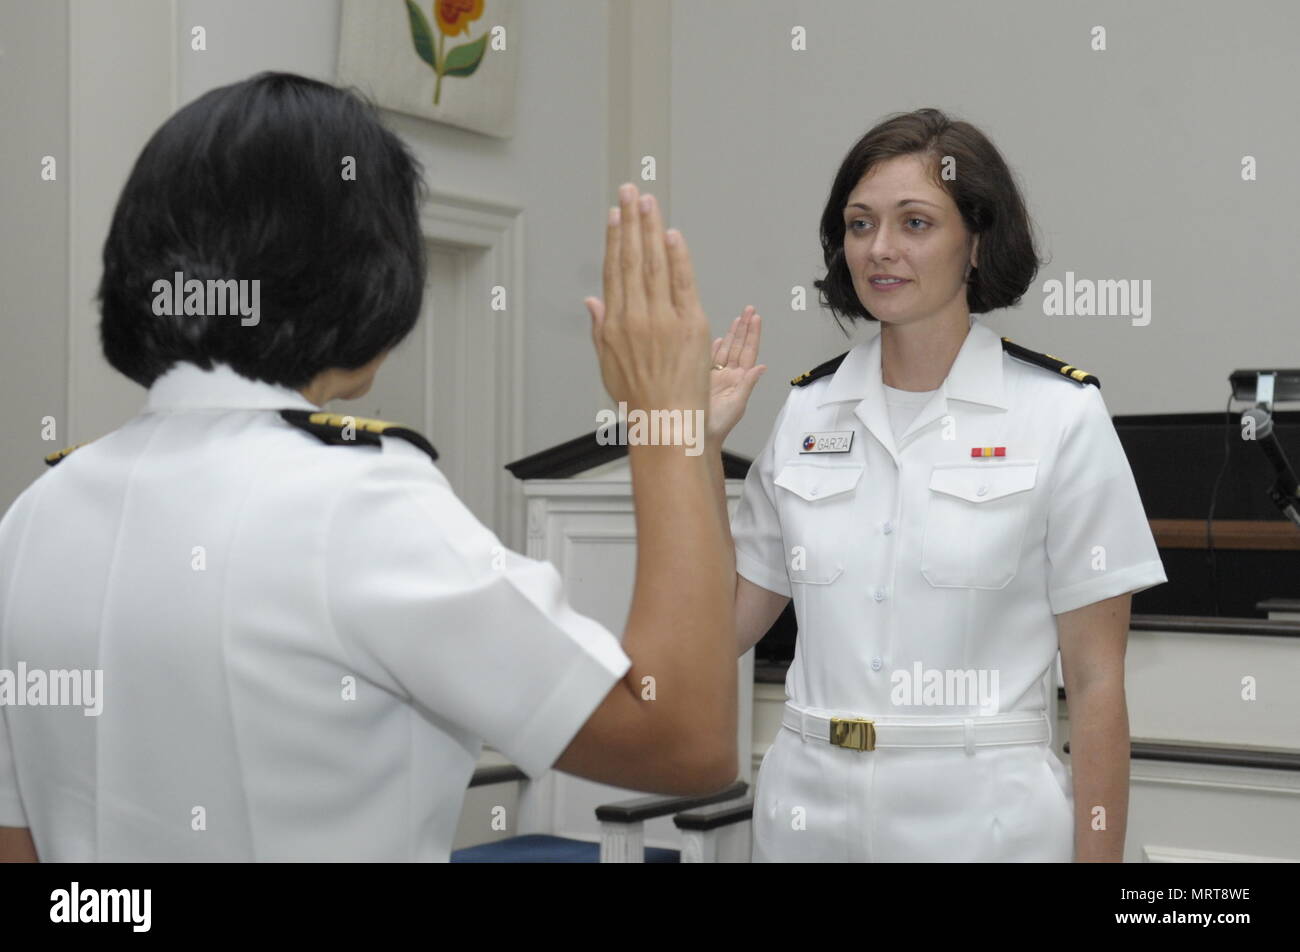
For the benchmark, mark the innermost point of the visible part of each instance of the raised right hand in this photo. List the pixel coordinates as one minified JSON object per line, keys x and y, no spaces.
{"x":735,"y":371}
{"x":650,"y":333}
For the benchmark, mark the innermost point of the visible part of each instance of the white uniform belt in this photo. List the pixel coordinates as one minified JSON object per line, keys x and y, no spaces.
{"x":870,"y":733}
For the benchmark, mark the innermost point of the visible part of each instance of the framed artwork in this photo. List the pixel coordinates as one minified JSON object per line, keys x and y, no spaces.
{"x":451,"y":61}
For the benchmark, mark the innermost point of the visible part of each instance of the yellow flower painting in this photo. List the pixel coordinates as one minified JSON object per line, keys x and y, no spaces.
{"x":453,"y":18}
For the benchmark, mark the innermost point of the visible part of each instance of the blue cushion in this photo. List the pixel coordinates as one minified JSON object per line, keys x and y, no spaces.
{"x":544,"y":848}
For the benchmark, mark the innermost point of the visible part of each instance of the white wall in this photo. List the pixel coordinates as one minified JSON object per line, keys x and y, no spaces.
{"x":33,"y":236}
{"x":1129,"y":160}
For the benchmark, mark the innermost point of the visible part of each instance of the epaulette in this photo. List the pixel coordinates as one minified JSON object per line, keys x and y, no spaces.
{"x":1048,"y":362}
{"x":821,"y":370}
{"x":339,"y":430}
{"x":52,"y":459}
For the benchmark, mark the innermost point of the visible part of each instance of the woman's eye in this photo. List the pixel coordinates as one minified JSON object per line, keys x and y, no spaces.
{"x":853,"y":225}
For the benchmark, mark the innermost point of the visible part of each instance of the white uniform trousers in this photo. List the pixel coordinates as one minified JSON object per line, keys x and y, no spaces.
{"x":814,"y":802}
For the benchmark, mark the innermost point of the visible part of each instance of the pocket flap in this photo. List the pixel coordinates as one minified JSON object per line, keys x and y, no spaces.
{"x":814,"y":481}
{"x":984,"y":482}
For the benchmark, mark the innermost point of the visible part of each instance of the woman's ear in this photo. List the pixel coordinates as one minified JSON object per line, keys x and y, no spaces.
{"x":974,"y":251}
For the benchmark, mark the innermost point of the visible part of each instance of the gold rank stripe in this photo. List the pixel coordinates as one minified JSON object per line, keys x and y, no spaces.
{"x":52,"y":458}
{"x":361,"y":423}
{"x":1048,"y":362}
{"x":333,"y":428}
{"x":1069,"y":370}
{"x":821,"y":370}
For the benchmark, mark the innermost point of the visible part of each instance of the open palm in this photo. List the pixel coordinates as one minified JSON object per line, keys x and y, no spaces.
{"x":731,"y":385}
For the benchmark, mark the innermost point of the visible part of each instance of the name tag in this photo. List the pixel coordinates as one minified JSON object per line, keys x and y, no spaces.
{"x":831,"y":441}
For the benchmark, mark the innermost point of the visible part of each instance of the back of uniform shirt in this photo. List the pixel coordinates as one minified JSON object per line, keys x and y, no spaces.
{"x":181,"y":555}
{"x":303,"y":646}
{"x":168,"y":555}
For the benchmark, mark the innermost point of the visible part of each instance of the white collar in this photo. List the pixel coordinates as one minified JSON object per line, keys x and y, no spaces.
{"x":187,"y":386}
{"x":975,"y":375}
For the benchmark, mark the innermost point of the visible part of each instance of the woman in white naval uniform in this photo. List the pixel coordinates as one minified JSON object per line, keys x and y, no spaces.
{"x":945,"y":509}
{"x":304,"y":637}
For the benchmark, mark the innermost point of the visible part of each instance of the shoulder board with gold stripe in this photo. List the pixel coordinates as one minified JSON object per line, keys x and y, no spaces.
{"x":52,"y":459}
{"x":821,"y":370}
{"x":339,"y":430}
{"x":1048,"y":362}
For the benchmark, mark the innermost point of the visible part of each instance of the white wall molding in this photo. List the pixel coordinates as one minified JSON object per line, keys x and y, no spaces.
{"x":1215,"y":778}
{"x":487,"y":365}
{"x":1172,"y":854}
{"x":639,"y":109}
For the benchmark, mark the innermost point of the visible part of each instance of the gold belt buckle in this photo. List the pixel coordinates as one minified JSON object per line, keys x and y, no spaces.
{"x":857,"y":733}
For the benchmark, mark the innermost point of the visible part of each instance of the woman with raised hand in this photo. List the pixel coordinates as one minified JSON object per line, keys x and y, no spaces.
{"x":304,"y":636}
{"x":947,"y":510}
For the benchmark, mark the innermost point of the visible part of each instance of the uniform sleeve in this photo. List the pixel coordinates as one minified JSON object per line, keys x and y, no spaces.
{"x":756,"y":527}
{"x":1099,"y":543}
{"x":470,"y":630}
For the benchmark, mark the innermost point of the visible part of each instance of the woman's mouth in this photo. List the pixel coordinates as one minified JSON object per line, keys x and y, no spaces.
{"x":890,"y":284}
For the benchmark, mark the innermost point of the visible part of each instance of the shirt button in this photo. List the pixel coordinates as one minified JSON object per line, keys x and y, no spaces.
{"x":888,"y":527}
{"x":812,"y":492}
{"x":879,"y":594}
{"x":981,"y":491}
{"x":876,"y":664}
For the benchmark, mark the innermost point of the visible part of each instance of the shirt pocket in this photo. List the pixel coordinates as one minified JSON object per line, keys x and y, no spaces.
{"x":975,"y":523}
{"x":814,"y":506}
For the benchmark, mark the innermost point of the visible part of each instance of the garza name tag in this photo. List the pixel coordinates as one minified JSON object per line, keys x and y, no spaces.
{"x":832,"y":441}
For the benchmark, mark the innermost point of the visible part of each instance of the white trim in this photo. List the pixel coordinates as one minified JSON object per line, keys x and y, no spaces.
{"x":1216,"y":777}
{"x":491,"y":343}
{"x":577,"y":487}
{"x":639,"y":106}
{"x":1173,"y":854}
{"x":74,"y":92}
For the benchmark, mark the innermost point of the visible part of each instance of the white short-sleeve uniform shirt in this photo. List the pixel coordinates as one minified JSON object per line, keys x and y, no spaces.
{"x":303,"y":646}
{"x":906,"y":551}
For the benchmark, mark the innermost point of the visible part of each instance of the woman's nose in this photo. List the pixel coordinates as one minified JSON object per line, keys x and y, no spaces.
{"x":882,"y":245}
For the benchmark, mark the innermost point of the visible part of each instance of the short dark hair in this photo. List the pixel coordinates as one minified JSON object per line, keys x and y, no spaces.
{"x":984,"y":191}
{"x":247,"y":182}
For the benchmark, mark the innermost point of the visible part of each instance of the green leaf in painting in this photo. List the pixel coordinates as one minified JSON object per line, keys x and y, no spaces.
{"x":463,"y":60}
{"x":421,"y":34}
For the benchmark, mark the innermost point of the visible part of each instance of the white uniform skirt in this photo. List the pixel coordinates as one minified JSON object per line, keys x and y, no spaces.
{"x":814,"y":802}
